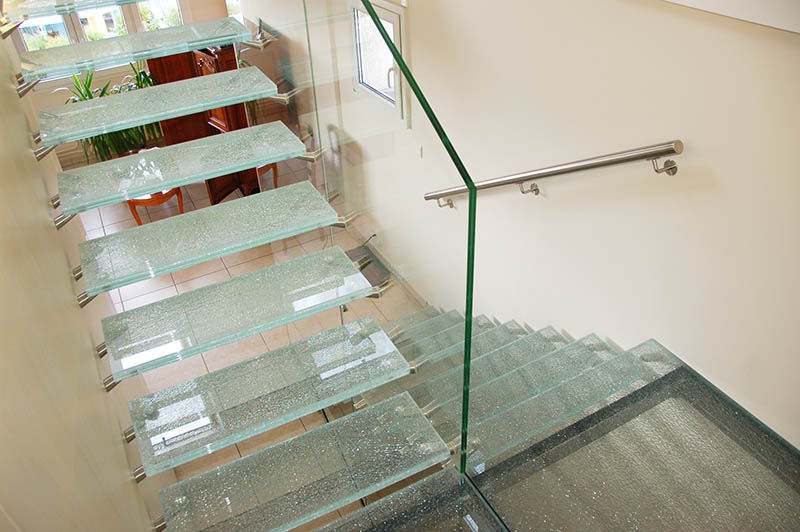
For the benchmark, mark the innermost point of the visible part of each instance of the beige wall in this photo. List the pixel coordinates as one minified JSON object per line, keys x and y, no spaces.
{"x":63,"y":462}
{"x":706,"y":261}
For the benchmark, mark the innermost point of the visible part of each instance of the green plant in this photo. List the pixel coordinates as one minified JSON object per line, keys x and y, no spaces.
{"x":118,"y":143}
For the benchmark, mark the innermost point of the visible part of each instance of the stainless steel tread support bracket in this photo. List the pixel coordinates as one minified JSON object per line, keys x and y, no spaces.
{"x":285,"y":98}
{"x":77,"y":272}
{"x":312,"y":156}
{"x":159,"y":525}
{"x":84,"y":299}
{"x":129,"y":434}
{"x":43,"y":151}
{"x":139,"y":474}
{"x":9,"y":27}
{"x":61,"y":220}
{"x":101,"y":350}
{"x":25,"y":88}
{"x":109,"y":383}
{"x":55,"y":201}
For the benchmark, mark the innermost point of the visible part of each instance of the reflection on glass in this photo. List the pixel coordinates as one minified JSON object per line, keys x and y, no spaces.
{"x":375,"y":61}
{"x":102,"y":22}
{"x":160,"y":14}
{"x":44,"y":32}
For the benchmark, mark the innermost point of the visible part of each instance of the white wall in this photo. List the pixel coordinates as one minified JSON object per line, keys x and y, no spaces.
{"x":707,"y":261}
{"x":63,"y":461}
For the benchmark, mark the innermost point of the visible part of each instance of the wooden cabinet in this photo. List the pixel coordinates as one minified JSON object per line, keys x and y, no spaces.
{"x":216,"y":121}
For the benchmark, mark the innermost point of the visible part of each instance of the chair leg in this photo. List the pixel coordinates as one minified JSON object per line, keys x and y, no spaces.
{"x":180,"y":200}
{"x":132,"y":207}
{"x":275,"y":174}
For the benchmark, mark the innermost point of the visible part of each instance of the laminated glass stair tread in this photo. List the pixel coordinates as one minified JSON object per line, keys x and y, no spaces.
{"x":442,"y":502}
{"x":305,"y":477}
{"x":419,"y":349}
{"x":429,"y":327}
{"x":37,"y":8}
{"x":527,"y":380}
{"x":76,"y":121}
{"x":409,"y":320}
{"x":95,"y":55}
{"x":482,"y":343}
{"x":195,"y":161}
{"x":200,"y":416}
{"x":448,"y":386}
{"x":157,"y":334}
{"x":541,"y":413}
{"x":201,"y":235}
{"x":716,"y":468}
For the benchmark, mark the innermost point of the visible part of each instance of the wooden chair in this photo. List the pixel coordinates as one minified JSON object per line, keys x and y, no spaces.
{"x":152,"y":200}
{"x":264,"y":169}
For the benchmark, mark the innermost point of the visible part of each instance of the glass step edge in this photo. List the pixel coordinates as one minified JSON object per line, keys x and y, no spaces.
{"x":115,"y":51}
{"x":429,"y":327}
{"x":309,"y":475}
{"x":409,"y":320}
{"x":519,"y":385}
{"x":89,"y":118}
{"x":442,"y":502}
{"x":188,"y":324}
{"x":129,"y":177}
{"x":493,"y":365}
{"x":554,"y":409}
{"x":482,"y":344}
{"x":195,"y":418}
{"x":161,"y":247}
{"x":418,"y":349}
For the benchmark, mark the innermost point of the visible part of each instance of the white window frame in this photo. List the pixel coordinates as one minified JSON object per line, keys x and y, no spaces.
{"x":133,"y":24}
{"x":394,"y":13}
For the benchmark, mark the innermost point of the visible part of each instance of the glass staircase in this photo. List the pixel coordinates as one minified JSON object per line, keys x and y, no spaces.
{"x":291,"y":483}
{"x":200,"y":416}
{"x":84,"y":119}
{"x":95,"y":55}
{"x":548,"y":417}
{"x":190,"y":162}
{"x":198,"y":236}
{"x":188,"y":324}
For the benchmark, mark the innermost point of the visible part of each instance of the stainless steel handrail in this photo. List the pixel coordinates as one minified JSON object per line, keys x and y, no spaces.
{"x":637,"y":154}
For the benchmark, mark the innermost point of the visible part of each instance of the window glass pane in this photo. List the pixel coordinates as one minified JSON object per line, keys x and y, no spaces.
{"x":44,"y":32}
{"x":235,"y":10}
{"x":374,"y":59}
{"x":160,"y":14}
{"x":102,"y":23}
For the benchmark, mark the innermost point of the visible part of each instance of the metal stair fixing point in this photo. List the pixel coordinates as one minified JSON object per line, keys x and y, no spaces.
{"x":25,"y":88}
{"x":61,"y":220}
{"x":43,"y":151}
{"x":84,"y":299}
{"x":9,"y":27}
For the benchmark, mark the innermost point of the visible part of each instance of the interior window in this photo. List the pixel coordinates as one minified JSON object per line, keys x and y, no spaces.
{"x":235,"y":10}
{"x":102,"y":22}
{"x":374,"y":60}
{"x":160,"y":14}
{"x":44,"y":32}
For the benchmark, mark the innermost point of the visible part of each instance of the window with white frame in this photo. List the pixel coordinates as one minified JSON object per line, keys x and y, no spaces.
{"x":39,"y":33}
{"x":376,"y":71}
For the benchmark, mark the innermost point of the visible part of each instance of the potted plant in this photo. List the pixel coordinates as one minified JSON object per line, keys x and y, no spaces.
{"x":118,"y":143}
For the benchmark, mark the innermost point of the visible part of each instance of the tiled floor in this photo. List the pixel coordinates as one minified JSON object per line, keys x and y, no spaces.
{"x":394,"y":303}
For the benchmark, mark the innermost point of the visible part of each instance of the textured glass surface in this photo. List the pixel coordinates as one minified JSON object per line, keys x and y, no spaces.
{"x":167,"y":245}
{"x":195,"y":161}
{"x":429,"y":327}
{"x":525,"y":381}
{"x":409,"y":320}
{"x":670,"y":467}
{"x":448,"y":386}
{"x":75,"y":121}
{"x":309,"y":475}
{"x":32,"y":8}
{"x":447,"y":360}
{"x":417,"y":350}
{"x":509,"y":427}
{"x":203,"y":415}
{"x":187,"y":324}
{"x":442,"y":502}
{"x":94,"y":55}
